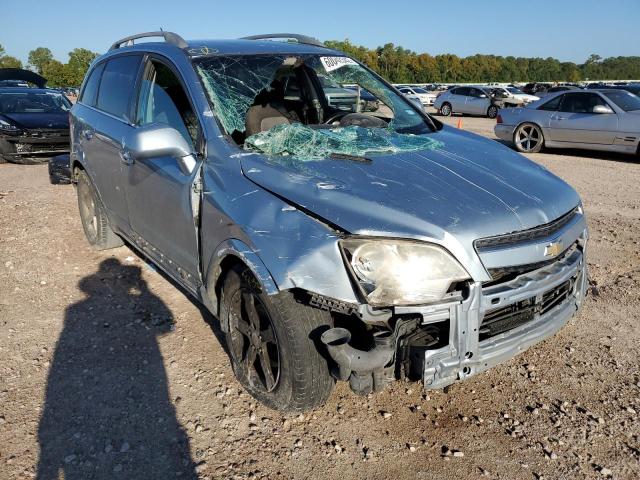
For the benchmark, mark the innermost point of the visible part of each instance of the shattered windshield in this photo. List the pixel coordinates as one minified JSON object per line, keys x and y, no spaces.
{"x":310,"y":106}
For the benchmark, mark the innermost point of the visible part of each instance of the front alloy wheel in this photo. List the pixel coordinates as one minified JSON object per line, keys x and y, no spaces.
{"x":252,"y":342}
{"x":274,"y":344}
{"x":528,"y":138}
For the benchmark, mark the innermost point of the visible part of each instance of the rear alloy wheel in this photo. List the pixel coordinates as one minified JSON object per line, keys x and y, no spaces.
{"x":94,"y":220}
{"x":273,"y":344}
{"x":528,"y":138}
{"x":492,"y":111}
{"x":445,"y":109}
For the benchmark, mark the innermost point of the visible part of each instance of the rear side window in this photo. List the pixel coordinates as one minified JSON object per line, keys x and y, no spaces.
{"x":90,"y":90}
{"x":462,"y":91}
{"x":118,"y":82}
{"x":552,"y":104}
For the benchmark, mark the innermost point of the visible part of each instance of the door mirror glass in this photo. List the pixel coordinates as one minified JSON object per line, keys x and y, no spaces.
{"x":158,"y":140}
{"x":602,"y":109}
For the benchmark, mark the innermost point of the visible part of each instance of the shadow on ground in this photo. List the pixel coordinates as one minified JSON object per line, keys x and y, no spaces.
{"x":107,"y":411}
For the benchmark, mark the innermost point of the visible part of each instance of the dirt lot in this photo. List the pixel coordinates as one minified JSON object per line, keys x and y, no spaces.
{"x":108,"y":371}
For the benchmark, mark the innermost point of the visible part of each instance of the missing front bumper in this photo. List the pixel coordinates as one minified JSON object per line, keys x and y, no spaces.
{"x":466,"y":355}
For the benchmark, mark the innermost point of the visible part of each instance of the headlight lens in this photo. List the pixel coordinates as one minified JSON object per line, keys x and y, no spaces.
{"x":4,"y":125}
{"x":401,"y":272}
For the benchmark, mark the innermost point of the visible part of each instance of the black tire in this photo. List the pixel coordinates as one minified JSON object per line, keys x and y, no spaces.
{"x":276,"y":334}
{"x":528,"y":138}
{"x":492,"y":111}
{"x":94,"y":220}
{"x":445,"y":109}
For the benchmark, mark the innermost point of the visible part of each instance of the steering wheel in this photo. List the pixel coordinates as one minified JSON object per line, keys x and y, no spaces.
{"x":335,"y":117}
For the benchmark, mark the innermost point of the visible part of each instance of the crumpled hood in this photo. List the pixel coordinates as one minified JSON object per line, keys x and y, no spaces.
{"x":39,"y":120}
{"x":469,"y":188}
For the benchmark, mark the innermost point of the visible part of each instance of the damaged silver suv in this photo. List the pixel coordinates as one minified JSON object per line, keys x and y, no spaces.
{"x":331,"y":242}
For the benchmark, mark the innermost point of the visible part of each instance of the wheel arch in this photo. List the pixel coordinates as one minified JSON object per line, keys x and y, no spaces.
{"x":227,"y":255}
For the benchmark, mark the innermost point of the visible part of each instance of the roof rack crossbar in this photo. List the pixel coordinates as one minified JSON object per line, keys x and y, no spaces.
{"x":169,"y":37}
{"x":293,"y":36}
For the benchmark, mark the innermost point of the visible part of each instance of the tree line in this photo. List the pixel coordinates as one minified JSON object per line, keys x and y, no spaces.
{"x":58,"y":74}
{"x":400,"y":65}
{"x":394,"y":63}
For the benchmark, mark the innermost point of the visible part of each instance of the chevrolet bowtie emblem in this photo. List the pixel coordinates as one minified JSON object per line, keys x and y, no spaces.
{"x":553,"y":249}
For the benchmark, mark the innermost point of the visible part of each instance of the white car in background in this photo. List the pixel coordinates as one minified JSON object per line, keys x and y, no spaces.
{"x":515,"y":96}
{"x":426,"y":97}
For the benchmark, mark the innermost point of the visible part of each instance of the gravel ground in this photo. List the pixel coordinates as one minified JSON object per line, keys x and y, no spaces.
{"x":108,"y":371}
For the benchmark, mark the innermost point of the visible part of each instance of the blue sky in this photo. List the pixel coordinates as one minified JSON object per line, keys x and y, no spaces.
{"x":568,"y":30}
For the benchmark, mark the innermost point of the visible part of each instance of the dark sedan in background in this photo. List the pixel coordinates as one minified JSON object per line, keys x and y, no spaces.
{"x":34,"y":121}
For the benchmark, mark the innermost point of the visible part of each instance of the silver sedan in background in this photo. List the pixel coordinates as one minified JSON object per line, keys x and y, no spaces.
{"x":594,"y":120}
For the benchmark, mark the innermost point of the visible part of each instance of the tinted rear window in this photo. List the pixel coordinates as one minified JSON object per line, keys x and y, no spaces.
{"x":118,"y":82}
{"x":90,"y":91}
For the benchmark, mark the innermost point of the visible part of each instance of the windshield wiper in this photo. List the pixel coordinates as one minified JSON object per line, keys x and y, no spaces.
{"x":346,"y":156}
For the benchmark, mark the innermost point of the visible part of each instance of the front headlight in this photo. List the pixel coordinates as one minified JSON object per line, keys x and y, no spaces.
{"x":4,"y":125}
{"x":401,"y":272}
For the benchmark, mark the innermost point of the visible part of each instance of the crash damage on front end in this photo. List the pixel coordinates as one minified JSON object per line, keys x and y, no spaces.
{"x":34,"y":124}
{"x":439,"y":254}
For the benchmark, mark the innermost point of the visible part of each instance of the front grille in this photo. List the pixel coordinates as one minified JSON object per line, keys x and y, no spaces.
{"x":522,"y":236}
{"x":41,"y":147}
{"x":47,"y":133}
{"x":556,"y":296}
{"x":507,"y":318}
{"x":509,"y":273}
{"x":503,"y":319}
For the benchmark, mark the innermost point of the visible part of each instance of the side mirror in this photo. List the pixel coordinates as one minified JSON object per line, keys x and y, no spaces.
{"x":602,"y":109}
{"x":158,"y":140}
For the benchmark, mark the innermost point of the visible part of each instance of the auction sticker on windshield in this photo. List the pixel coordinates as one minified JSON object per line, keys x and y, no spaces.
{"x":333,"y":63}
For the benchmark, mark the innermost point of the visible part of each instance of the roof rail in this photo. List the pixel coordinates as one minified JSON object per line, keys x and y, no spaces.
{"x":292,"y":36}
{"x":169,"y":37}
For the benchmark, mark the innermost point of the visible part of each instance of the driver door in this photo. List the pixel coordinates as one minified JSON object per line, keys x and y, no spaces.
{"x":160,"y":191}
{"x":575,"y":121}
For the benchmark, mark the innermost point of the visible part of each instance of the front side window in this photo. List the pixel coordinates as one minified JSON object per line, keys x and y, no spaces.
{"x":90,"y":91}
{"x":581,"y":102}
{"x":163,"y":100}
{"x":28,"y":102}
{"x":117,"y":85}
